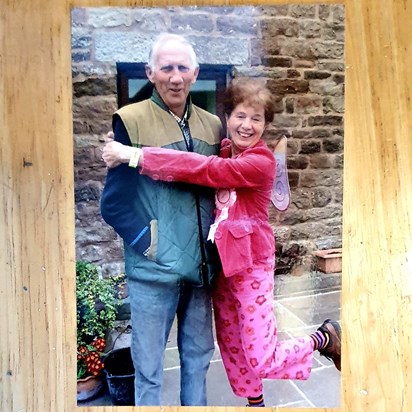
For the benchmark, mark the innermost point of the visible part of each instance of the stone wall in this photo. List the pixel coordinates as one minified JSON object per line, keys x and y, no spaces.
{"x":298,"y":49}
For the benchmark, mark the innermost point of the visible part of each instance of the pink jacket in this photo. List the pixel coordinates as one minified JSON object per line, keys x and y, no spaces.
{"x":241,"y":230}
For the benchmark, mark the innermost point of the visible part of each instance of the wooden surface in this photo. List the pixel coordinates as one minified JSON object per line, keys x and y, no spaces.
{"x":37,"y":316}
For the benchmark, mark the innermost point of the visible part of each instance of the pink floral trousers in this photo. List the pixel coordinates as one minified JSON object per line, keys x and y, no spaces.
{"x":247,"y":334}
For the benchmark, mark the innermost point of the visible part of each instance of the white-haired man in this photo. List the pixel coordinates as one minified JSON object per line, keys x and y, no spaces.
{"x":164,"y":225}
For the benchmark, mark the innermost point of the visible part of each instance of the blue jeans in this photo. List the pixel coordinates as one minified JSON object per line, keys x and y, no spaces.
{"x":153,"y":309}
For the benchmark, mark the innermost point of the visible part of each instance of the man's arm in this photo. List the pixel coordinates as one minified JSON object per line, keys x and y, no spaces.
{"x":117,"y":200}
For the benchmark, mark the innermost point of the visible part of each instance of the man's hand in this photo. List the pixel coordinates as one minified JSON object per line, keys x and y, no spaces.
{"x":115,"y":153}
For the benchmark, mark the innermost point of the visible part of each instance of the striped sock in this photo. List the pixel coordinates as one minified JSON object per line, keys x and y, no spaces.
{"x":256,"y":402}
{"x":320,"y":340}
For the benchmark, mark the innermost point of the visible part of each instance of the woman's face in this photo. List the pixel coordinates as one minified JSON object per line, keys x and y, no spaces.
{"x":245,"y":125}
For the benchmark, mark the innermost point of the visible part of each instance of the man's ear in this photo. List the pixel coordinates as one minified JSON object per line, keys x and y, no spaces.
{"x":196,"y":73}
{"x":149,"y":73}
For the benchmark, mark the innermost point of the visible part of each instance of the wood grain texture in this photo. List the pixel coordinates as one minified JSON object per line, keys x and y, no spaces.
{"x":37,"y":316}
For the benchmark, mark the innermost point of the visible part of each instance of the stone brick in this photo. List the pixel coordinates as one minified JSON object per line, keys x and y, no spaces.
{"x":276,"y":61}
{"x":324,"y":12}
{"x":329,"y":120}
{"x":80,"y":56}
{"x":290,"y":105}
{"x":304,"y":63}
{"x":293,"y":147}
{"x":288,"y":86}
{"x":78,"y":17}
{"x":293,"y":216}
{"x":334,"y":104}
{"x":310,"y":147}
{"x":308,"y":104}
{"x":311,"y":133}
{"x":322,"y":161}
{"x":285,"y":121}
{"x":307,"y":230}
{"x":332,"y":145}
{"x":321,"y":197}
{"x":293,"y":73}
{"x":282,"y":233}
{"x":298,"y":162}
{"x":220,"y":50}
{"x":327,"y":50}
{"x":129,"y":46}
{"x":108,"y":17}
{"x":319,"y":178}
{"x":331,"y":66}
{"x":338,"y":131}
{"x":338,"y":164}
{"x":331,"y":210}
{"x":81,"y":39}
{"x":300,"y":49}
{"x":272,"y":27}
{"x":334,"y":32}
{"x":315,"y":74}
{"x":93,"y":68}
{"x":93,"y":114}
{"x":301,"y":198}
{"x":272,"y":11}
{"x":273,"y":134}
{"x":95,"y":87}
{"x":182,"y":23}
{"x":325,"y":87}
{"x":92,"y":253}
{"x":293,"y":178}
{"x":149,"y":20}
{"x":310,"y":29}
{"x":338,"y":78}
{"x":88,"y":191}
{"x":302,"y":11}
{"x":338,"y":13}
{"x":328,"y":242}
{"x":232,"y":25}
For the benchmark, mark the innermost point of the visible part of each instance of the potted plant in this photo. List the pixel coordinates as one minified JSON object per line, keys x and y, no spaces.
{"x":96,"y":312}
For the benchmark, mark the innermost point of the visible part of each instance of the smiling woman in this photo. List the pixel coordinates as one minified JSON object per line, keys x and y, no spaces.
{"x":37,"y":263}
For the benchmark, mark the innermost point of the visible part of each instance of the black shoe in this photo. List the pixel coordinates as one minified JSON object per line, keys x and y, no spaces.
{"x":332,"y":350}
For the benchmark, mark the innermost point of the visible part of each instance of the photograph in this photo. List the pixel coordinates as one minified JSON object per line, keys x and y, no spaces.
{"x":205,"y":205}
{"x":296,"y":54}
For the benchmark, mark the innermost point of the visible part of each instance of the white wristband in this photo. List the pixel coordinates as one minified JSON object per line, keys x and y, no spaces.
{"x":135,"y":156}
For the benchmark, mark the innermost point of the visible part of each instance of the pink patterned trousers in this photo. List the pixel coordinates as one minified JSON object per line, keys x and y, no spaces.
{"x":247,"y":334}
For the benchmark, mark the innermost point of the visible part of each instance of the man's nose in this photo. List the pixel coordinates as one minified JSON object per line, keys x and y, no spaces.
{"x":176,"y":76}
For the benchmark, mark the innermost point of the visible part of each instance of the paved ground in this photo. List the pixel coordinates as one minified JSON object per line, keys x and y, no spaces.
{"x":302,"y":303}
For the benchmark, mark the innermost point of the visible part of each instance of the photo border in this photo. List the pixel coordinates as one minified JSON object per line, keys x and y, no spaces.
{"x":37,"y":266}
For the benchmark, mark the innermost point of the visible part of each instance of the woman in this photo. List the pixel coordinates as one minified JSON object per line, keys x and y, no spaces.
{"x":243,"y":293}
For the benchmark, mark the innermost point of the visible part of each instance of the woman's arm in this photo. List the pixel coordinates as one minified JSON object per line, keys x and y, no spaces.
{"x":252,"y":169}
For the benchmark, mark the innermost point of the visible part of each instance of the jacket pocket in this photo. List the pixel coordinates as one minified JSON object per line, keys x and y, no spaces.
{"x":240,"y":231}
{"x":239,"y":247}
{"x":153,"y":241}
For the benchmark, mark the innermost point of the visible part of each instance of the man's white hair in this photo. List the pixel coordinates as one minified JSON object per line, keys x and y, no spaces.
{"x":161,"y":42}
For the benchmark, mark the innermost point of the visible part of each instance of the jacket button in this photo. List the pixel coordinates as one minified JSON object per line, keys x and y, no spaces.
{"x":218,"y":235}
{"x":249,"y":270}
{"x":155,"y":177}
{"x":169,"y":178}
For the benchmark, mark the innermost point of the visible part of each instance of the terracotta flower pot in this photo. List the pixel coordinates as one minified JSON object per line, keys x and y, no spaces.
{"x":89,"y":387}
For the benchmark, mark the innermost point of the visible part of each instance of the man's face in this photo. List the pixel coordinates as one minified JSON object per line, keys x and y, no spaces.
{"x":173,"y":75}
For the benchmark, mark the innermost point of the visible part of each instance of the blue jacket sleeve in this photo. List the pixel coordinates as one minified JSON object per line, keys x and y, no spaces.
{"x":116,"y":204}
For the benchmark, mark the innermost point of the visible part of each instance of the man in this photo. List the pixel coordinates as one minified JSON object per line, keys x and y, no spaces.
{"x":164,"y":226}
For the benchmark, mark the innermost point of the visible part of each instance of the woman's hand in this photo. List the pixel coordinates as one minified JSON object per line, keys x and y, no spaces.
{"x":115,"y":153}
